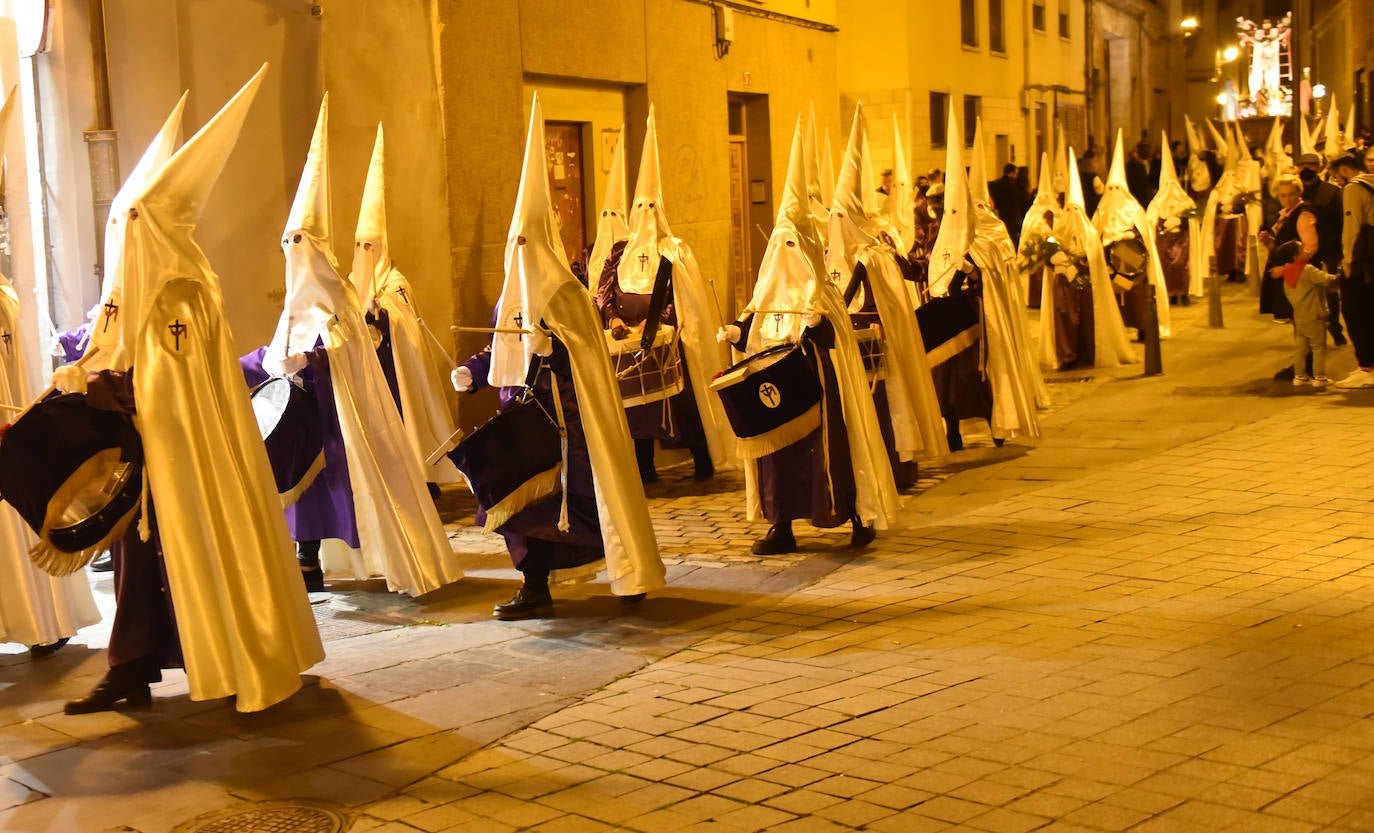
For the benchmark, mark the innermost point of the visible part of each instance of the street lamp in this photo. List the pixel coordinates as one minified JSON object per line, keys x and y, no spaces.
{"x":1229,"y":54}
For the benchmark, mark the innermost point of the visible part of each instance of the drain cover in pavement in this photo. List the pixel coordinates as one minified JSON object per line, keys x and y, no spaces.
{"x":268,"y":817}
{"x":1064,"y":380}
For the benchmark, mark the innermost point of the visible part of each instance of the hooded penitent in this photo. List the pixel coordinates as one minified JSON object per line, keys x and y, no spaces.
{"x":400,"y":535}
{"x":35,"y":607}
{"x":1037,"y":235}
{"x":1061,"y":161}
{"x":650,"y":241}
{"x":104,"y":339}
{"x":915,"y":410}
{"x":420,"y":385}
{"x":540,"y":292}
{"x":611,"y":226}
{"x":898,"y":214}
{"x":957,"y":225}
{"x":1119,"y":216}
{"x":1174,"y":217}
{"x":1078,"y":238}
{"x":1276,"y":160}
{"x":1222,"y":206}
{"x":1334,"y":148}
{"x":242,"y":614}
{"x":1199,"y":176}
{"x":1017,"y":385}
{"x":788,"y":280}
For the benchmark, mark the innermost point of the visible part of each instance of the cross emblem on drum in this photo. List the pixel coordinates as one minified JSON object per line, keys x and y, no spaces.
{"x":177,"y":330}
{"x":769,"y":395}
{"x":111,"y":313}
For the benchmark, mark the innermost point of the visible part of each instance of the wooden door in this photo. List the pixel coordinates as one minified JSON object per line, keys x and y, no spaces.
{"x":740,"y":272}
{"x":563,"y":148}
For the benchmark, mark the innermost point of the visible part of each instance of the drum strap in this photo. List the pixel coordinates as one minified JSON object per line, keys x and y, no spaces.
{"x":563,"y":524}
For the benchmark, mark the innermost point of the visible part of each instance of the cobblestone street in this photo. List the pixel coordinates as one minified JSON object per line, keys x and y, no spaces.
{"x":1157,"y":619}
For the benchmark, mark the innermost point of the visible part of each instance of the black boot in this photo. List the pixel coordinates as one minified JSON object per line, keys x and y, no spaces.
{"x":862,"y":535}
{"x":127,"y":683}
{"x":308,"y":557}
{"x":956,"y":440}
{"x":1285,"y":375}
{"x":778,"y":541}
{"x":704,"y":468}
{"x":531,"y":601}
{"x":644,"y":455}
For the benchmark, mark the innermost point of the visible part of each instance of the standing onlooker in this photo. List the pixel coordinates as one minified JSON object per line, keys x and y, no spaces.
{"x":1091,"y":182}
{"x":1325,"y":200}
{"x":1305,"y":286}
{"x":1138,"y":174}
{"x":1009,"y":201}
{"x":1357,"y":267}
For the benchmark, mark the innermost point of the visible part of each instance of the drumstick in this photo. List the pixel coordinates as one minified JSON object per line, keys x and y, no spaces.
{"x":438,"y":345}
{"x":720,"y":315}
{"x":776,"y":311}
{"x":511,"y":330}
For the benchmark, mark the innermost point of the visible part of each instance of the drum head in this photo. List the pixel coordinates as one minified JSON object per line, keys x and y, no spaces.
{"x":98,"y":494}
{"x":1127,"y":257}
{"x":269,"y":403}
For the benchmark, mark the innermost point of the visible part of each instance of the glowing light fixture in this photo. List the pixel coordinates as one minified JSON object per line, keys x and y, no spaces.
{"x":1319,"y":91}
{"x":1188,"y":24}
{"x":1230,"y":53}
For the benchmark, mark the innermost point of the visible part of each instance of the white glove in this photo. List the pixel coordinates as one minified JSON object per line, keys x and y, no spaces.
{"x":293,"y":363}
{"x":811,"y":319}
{"x":461,"y":378}
{"x":69,"y":379}
{"x":729,"y":334}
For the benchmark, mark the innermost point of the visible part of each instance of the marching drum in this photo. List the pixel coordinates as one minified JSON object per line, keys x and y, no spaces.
{"x":949,"y":325}
{"x":1128,"y":258}
{"x":75,"y":475}
{"x":650,"y":375}
{"x":512,"y":461}
{"x":772,"y":398}
{"x":289,"y":422}
{"x":872,"y":345}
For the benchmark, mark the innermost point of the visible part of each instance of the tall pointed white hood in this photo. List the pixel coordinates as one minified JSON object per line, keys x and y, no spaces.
{"x":849,"y":230}
{"x":314,"y":290}
{"x":957,"y":224}
{"x":1061,"y":160}
{"x":371,"y":255}
{"x":787,"y":273}
{"x":536,"y":265}
{"x":900,"y":207}
{"x":648,"y":220}
{"x":1118,"y":209}
{"x":1334,"y":149}
{"x":1171,"y":200}
{"x":611,"y":224}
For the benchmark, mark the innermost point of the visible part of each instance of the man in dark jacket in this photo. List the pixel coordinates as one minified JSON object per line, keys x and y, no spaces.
{"x":1009,"y":201}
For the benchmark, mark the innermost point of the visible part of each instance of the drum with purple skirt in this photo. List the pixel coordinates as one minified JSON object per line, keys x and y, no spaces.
{"x":647,"y":375}
{"x":1128,"y":259}
{"x":513,"y":460}
{"x":75,"y":475}
{"x":289,"y":421}
{"x":949,"y":325}
{"x":772,"y":399}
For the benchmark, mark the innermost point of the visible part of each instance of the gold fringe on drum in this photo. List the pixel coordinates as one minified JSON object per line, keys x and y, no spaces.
{"x":56,"y":562}
{"x":792,"y":431}
{"x":542,"y":485}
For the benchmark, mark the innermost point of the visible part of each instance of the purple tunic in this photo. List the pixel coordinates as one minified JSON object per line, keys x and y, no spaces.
{"x":961,"y":384}
{"x":793,"y":482}
{"x":325,"y":510}
{"x":675,"y":421}
{"x":532,"y":535}
{"x":1173,"y":257}
{"x":382,"y":321}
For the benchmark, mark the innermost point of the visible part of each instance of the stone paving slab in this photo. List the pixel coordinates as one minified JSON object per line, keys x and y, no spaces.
{"x":1156,"y":620}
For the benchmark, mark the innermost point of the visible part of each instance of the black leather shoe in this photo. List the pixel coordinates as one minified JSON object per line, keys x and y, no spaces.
{"x":110,"y":692}
{"x":862,"y":535}
{"x":41,"y":651}
{"x":632,"y":599}
{"x":103,"y":563}
{"x":527,"y":603}
{"x":778,"y":541}
{"x":1285,"y":375}
{"x":1338,"y":340}
{"x":703,"y":468}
